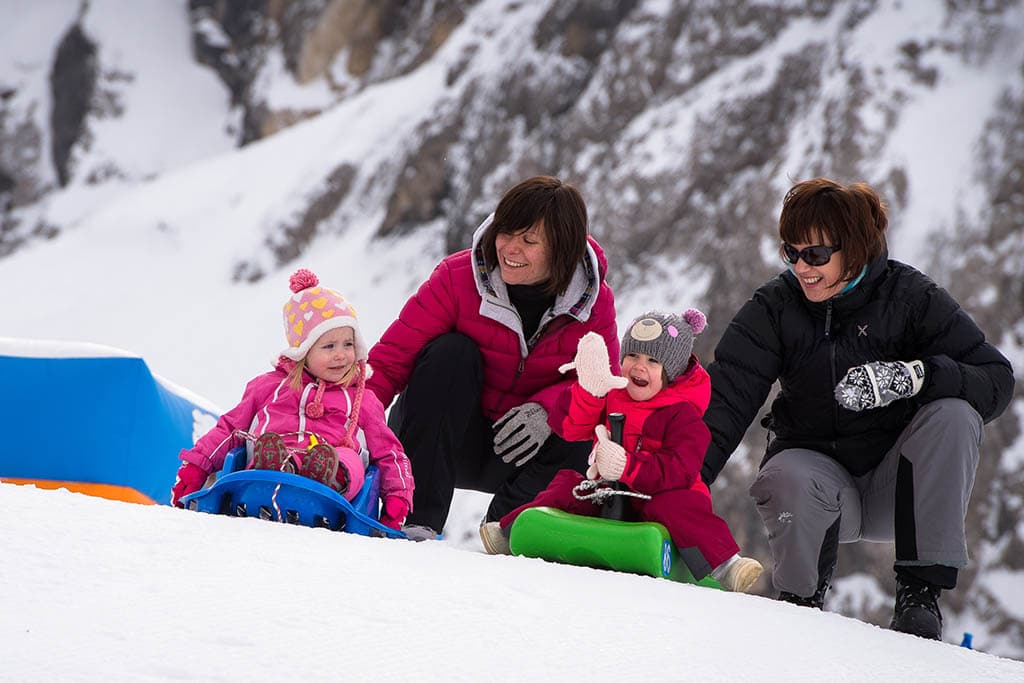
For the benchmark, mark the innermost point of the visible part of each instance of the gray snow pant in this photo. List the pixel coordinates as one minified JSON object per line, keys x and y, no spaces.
{"x":917,"y":497}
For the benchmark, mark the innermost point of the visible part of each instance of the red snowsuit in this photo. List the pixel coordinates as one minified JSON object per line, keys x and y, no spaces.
{"x":665,"y":440}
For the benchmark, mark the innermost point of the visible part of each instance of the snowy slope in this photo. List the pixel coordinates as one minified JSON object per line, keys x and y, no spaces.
{"x":153,"y":258}
{"x":95,"y":590}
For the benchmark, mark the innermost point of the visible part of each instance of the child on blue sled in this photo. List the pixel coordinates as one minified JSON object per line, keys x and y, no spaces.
{"x":663,"y":392}
{"x":304,"y":414}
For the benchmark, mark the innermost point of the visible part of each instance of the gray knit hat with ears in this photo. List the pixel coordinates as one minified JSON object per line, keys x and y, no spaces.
{"x":665,"y":337}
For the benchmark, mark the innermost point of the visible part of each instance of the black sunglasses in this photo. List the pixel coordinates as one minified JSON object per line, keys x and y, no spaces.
{"x":818,"y":255}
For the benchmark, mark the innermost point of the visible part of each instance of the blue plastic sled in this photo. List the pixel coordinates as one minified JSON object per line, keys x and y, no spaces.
{"x":239,"y":492}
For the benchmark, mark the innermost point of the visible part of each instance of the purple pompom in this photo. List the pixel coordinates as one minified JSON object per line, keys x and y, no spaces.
{"x":696,"y":319}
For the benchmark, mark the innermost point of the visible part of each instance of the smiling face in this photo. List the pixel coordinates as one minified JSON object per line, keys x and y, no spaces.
{"x":333,"y":355}
{"x":819,"y":283}
{"x":523,"y":256}
{"x":645,"y":374}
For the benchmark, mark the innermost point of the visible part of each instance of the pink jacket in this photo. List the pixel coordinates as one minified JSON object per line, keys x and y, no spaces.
{"x":269,"y":404}
{"x":665,"y":438}
{"x":460,"y":296}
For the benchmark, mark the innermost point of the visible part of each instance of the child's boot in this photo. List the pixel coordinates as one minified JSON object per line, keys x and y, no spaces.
{"x":739,"y":574}
{"x":320,"y":463}
{"x":270,"y":453}
{"x":495,"y":539}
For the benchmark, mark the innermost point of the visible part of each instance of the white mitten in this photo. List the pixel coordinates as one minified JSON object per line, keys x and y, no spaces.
{"x":879,"y":383}
{"x":592,"y":472}
{"x":593,"y":368}
{"x":609,"y":456}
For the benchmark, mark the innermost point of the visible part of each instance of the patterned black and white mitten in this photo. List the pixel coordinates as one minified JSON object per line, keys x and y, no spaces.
{"x":879,"y":383}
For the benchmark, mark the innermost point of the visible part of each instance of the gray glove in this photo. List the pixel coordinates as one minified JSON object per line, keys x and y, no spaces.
{"x":521,"y":432}
{"x":879,"y":383}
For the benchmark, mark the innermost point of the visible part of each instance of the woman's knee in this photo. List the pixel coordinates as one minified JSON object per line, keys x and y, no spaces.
{"x":955,"y":411}
{"x":782,"y":475}
{"x":450,"y":346}
{"x":793,"y":475}
{"x":451,"y":360}
{"x":445,"y":384}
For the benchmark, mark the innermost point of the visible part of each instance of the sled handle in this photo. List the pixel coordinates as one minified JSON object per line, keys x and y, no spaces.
{"x":615,"y":506}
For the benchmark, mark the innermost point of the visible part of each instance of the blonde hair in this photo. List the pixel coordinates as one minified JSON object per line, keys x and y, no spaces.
{"x":295,"y":374}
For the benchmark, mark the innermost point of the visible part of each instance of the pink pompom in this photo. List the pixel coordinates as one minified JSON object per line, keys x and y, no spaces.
{"x":303,"y":279}
{"x":315,"y":410}
{"x":696,"y":319}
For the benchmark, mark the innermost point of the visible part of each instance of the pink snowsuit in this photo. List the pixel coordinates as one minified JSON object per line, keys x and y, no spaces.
{"x":665,"y":440}
{"x":270,"y":404}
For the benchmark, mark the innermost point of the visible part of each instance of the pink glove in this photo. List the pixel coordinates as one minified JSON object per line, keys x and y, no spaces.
{"x":609,"y":456}
{"x":190,"y":479}
{"x":393,"y":512}
{"x":593,"y":369}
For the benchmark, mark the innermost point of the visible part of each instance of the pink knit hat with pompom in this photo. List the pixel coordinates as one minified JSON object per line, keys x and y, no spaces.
{"x":665,"y":337}
{"x":313,"y":310}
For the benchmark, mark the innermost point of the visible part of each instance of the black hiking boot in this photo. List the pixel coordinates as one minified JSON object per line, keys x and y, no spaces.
{"x":816,"y":601}
{"x":917,"y":608}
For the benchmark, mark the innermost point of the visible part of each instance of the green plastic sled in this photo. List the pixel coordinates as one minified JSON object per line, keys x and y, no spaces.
{"x":633,"y":547}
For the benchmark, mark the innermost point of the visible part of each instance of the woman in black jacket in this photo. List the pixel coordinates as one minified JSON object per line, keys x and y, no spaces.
{"x":885,"y":385}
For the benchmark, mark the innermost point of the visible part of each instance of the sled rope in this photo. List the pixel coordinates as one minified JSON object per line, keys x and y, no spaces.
{"x":601,"y":491}
{"x":248,"y":436}
{"x":273,"y":501}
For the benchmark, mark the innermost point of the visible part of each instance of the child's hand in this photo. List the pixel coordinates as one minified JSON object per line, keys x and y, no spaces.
{"x":190,"y":479}
{"x":393,"y":512}
{"x":592,"y":472}
{"x":609,"y":456}
{"x":593,"y":368}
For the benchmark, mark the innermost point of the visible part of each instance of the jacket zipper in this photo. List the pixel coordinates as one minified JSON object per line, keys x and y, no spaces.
{"x":548,"y":317}
{"x":832,"y":370}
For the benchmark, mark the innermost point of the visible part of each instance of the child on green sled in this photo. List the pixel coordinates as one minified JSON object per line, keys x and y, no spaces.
{"x":663,"y":392}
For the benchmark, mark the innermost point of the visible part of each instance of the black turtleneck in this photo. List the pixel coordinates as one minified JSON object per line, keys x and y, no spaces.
{"x":531,"y":301}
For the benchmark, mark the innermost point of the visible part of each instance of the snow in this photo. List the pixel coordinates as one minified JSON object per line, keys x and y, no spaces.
{"x":158,"y":113}
{"x":94,"y":590}
{"x":28,"y":41}
{"x":97,"y":590}
{"x":934,"y":141}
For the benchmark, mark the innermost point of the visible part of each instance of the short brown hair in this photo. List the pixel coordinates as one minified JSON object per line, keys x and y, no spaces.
{"x":853,"y":217}
{"x":561,"y":207}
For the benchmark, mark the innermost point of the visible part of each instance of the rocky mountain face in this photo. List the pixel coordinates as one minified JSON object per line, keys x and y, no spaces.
{"x":683,"y":123}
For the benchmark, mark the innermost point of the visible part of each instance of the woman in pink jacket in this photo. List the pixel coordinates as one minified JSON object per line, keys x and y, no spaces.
{"x":303,"y":417}
{"x":474,"y":354}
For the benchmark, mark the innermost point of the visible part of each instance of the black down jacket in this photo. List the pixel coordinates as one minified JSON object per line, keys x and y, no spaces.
{"x":894,"y":313}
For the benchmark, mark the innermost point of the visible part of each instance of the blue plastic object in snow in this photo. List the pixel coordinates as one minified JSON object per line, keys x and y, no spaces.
{"x":968,"y":641}
{"x":93,"y":419}
{"x":239,"y":492}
